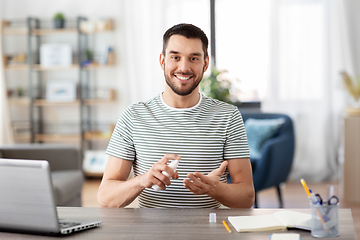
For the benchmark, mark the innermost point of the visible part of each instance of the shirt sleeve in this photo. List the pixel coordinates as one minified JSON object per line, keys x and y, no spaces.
{"x":236,"y":145}
{"x":121,"y":143}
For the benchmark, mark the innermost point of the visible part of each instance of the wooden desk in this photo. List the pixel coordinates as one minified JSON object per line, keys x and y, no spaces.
{"x":184,"y":224}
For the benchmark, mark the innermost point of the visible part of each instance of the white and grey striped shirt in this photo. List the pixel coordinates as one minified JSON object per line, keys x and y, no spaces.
{"x":204,"y":136}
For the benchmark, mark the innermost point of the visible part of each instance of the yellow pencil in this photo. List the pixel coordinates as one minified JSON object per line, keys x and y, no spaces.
{"x":226,"y":226}
{"x":305,"y":187}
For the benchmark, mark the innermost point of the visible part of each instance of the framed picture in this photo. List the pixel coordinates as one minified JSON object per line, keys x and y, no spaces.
{"x":95,"y":161}
{"x":55,"y":55}
{"x":61,"y":91}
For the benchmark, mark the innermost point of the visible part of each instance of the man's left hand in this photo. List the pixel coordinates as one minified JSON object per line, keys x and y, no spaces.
{"x":199,"y":183}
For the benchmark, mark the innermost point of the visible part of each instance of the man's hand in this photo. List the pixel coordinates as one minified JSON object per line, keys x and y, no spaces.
{"x":199,"y":183}
{"x":155,"y":176}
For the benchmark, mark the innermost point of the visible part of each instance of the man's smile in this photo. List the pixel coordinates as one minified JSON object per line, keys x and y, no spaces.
{"x":183,"y":77}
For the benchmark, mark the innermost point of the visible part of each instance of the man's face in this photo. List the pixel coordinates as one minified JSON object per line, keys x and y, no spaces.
{"x":183,"y":64}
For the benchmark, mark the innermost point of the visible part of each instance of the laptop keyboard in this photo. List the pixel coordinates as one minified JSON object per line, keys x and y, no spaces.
{"x":68,"y":224}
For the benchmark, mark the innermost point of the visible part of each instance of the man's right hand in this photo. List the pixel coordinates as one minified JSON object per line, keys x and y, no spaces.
{"x":155,"y":176}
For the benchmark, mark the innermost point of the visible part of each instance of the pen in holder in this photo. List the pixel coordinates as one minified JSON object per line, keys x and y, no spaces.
{"x":324,"y":215}
{"x":326,"y":225}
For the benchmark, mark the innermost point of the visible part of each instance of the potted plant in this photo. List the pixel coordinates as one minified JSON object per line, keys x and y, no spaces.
{"x":352,"y":85}
{"x":216,"y":87}
{"x":59,"y":20}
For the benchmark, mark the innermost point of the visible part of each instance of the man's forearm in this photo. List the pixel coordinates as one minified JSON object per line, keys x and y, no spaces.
{"x":235,"y":195}
{"x":114,"y":193}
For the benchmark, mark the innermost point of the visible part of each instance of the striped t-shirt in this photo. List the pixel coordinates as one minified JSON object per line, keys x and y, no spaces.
{"x":204,"y":136}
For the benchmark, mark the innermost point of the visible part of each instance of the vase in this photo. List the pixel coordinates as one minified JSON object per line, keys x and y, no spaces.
{"x":59,"y":23}
{"x":354,"y":109}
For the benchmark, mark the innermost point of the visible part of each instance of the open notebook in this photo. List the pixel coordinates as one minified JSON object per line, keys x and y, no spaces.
{"x":278,"y":221}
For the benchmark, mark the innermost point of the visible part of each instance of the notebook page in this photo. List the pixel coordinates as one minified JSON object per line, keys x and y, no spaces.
{"x":294,"y":219}
{"x":256,"y":223}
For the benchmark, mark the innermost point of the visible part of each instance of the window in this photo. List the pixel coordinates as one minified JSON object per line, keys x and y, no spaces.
{"x":272,"y":47}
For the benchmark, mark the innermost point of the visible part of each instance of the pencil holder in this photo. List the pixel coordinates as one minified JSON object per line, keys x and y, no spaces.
{"x":324,"y":220}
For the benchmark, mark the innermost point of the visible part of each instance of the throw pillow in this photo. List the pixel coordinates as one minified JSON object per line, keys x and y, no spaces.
{"x":260,"y":130}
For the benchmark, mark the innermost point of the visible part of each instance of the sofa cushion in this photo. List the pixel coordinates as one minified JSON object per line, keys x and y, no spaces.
{"x":260,"y":130}
{"x":67,"y":185}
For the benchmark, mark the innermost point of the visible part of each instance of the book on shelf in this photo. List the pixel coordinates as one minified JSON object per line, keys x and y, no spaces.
{"x":278,"y":221}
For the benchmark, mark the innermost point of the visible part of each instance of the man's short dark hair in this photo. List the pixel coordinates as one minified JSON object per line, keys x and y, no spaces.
{"x":188,"y":31}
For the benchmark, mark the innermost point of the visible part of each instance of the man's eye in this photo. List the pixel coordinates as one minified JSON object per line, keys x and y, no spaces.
{"x":175,"y":57}
{"x":194,"y":59}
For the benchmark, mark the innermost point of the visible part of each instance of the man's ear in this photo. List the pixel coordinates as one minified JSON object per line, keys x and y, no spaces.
{"x":162,"y":60}
{"x":206,"y":65}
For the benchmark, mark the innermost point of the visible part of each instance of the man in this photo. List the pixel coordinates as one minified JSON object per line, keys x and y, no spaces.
{"x":206,"y":135}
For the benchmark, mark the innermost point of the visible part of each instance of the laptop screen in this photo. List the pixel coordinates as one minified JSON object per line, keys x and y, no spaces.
{"x":26,"y":199}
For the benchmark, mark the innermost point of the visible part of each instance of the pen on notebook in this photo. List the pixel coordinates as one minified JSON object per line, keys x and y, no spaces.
{"x":226,"y":226}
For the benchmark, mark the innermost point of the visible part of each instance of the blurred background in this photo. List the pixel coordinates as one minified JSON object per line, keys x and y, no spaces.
{"x":286,"y":56}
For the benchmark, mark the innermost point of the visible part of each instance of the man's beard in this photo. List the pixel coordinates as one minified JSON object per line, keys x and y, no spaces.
{"x":179,"y":90}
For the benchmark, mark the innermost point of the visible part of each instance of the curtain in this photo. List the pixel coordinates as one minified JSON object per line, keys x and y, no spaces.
{"x":308,"y":52}
{"x":6,"y":134}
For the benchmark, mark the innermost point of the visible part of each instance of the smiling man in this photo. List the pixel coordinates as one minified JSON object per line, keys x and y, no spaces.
{"x":207,"y":136}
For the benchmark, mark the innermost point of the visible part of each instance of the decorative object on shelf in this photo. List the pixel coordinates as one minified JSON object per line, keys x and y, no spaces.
{"x":53,"y":54}
{"x":59,"y":20}
{"x":216,"y":87}
{"x":91,"y":26}
{"x":60,"y":91}
{"x":94,"y":162}
{"x":107,"y":56}
{"x":20,"y":91}
{"x":101,"y":94}
{"x":352,"y":86}
{"x":89,"y":58}
{"x":17,"y":59}
{"x":89,"y":55}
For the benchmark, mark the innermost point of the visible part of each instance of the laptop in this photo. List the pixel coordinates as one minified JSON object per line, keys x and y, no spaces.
{"x":27,"y":201}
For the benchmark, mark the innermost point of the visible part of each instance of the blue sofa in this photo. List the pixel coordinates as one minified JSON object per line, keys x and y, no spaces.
{"x":274,"y":164}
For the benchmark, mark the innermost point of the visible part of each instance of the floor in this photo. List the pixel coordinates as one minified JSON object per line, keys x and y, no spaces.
{"x":294,"y":196}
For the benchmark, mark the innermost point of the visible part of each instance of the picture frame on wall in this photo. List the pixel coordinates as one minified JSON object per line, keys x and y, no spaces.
{"x":61,"y":91}
{"x":52,"y":54}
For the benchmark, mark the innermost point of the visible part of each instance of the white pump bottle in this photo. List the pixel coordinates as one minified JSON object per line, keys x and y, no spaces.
{"x":173,"y":165}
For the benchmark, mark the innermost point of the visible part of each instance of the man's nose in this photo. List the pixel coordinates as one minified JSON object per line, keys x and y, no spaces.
{"x":184,"y":65}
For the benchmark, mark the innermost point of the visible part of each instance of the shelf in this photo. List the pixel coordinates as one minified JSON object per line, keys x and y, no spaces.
{"x":38,"y":67}
{"x":45,"y":103}
{"x":22,"y":31}
{"x":98,"y":66}
{"x":22,"y":101}
{"x":96,"y":135}
{"x":50,"y":31}
{"x":17,"y":67}
{"x":22,"y":138}
{"x":36,"y":130}
{"x":69,"y":137}
{"x":14,"y":31}
{"x":57,"y":137}
{"x":98,"y":101}
{"x":44,"y":32}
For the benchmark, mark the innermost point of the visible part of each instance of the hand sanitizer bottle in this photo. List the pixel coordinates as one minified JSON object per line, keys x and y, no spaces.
{"x":173,"y":165}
